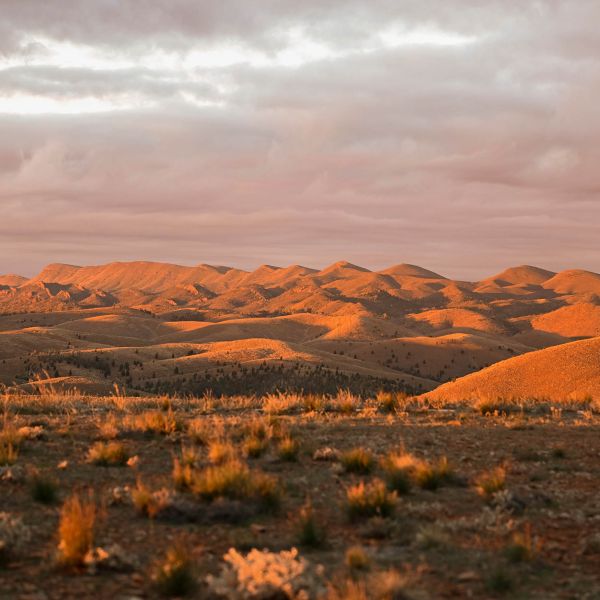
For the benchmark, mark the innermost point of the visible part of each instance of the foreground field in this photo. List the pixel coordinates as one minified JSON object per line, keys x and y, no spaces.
{"x":383,"y":498}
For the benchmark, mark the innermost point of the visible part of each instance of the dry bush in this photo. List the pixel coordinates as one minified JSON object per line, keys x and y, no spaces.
{"x":490,"y":482}
{"x":382,"y":585}
{"x":288,"y":449}
{"x":156,"y":422}
{"x":76,"y":530}
{"x":397,"y":469}
{"x":175,"y":575}
{"x":202,"y":430}
{"x":358,"y":460}
{"x":235,"y":481}
{"x":402,"y":469}
{"x":280,"y":403}
{"x":264,"y":574}
{"x":345,"y":402}
{"x":254,"y":447}
{"x":309,"y":532}
{"x":370,"y":500}
{"x":221,"y":451}
{"x":10,"y":440}
{"x":108,"y":429}
{"x":431,"y":476}
{"x":357,"y":559}
{"x":314,"y":403}
{"x":109,"y":454}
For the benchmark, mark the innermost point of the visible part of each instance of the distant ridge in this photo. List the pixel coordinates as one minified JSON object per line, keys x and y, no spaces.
{"x":568,"y":371}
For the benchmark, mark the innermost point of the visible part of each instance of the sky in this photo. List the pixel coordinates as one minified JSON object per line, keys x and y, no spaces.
{"x":463,"y":135}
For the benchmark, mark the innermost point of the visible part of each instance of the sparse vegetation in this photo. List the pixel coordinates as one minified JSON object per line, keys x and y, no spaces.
{"x":111,"y":454}
{"x":358,"y":460}
{"x":490,"y":482}
{"x":221,"y":499}
{"x":76,"y":530}
{"x":288,"y":449}
{"x":175,"y":575}
{"x":369,"y":500}
{"x":309,"y":532}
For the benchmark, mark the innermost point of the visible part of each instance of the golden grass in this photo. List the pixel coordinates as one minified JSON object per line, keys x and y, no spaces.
{"x":76,"y":530}
{"x":108,"y":454}
{"x":370,"y":500}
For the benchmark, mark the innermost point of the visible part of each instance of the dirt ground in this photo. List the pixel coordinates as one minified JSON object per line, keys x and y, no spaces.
{"x":450,"y":542}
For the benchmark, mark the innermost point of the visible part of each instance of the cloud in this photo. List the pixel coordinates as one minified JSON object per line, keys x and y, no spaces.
{"x":459,"y":135}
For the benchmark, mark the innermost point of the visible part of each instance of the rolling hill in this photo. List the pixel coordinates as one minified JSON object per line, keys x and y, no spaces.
{"x":408,"y":327}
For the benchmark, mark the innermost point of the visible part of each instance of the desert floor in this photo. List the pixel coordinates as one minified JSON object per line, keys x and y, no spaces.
{"x":514,"y":513}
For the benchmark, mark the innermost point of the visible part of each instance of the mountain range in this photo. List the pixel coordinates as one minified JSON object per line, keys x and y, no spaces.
{"x":156,"y":327}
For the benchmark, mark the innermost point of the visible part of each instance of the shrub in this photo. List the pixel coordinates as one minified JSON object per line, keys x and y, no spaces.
{"x":43,"y":489}
{"x":397,"y":472}
{"x":235,"y":481}
{"x":387,"y":402}
{"x":199,"y":431}
{"x":356,"y":559}
{"x":8,"y":453}
{"x":157,"y":422}
{"x":288,"y":449}
{"x":431,"y":476}
{"x":523,"y":547}
{"x":264,"y":574}
{"x":183,"y":475}
{"x":254,"y":447}
{"x":309,"y":533}
{"x":369,"y":500}
{"x":110,"y":454}
{"x":313,"y":403}
{"x":109,"y":428}
{"x":490,"y":482}
{"x":357,"y":460}
{"x":76,"y":530}
{"x":175,"y":575}
{"x":221,"y":451}
{"x":345,"y":402}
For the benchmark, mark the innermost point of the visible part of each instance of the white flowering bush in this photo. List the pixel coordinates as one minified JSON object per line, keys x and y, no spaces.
{"x":264,"y":575}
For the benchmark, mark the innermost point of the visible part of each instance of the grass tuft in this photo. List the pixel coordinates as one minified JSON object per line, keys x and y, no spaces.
{"x":76,"y":530}
{"x":109,"y":454}
{"x":370,"y":500}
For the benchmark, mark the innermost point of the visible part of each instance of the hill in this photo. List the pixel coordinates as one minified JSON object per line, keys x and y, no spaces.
{"x":568,"y":371}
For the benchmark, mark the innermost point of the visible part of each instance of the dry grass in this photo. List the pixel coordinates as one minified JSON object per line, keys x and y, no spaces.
{"x":175,"y":576}
{"x":108,"y":454}
{"x":358,"y":460}
{"x":254,"y":447}
{"x":370,"y":500}
{"x":309,"y":532}
{"x":357,"y":559}
{"x":490,"y":482}
{"x":288,"y":449}
{"x":76,"y":530}
{"x":235,"y":481}
{"x":156,"y":422}
{"x":221,"y":451}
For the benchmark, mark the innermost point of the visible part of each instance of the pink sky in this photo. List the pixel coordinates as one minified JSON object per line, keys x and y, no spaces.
{"x":461,"y":135}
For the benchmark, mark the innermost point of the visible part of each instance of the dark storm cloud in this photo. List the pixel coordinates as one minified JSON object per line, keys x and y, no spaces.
{"x":319,"y":138}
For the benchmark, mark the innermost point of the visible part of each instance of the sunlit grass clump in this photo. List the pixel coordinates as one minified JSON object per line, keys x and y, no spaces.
{"x":358,"y":460}
{"x":288,"y":449}
{"x":175,"y":576}
{"x":372,"y":499}
{"x":109,"y":454}
{"x":76,"y":530}
{"x":489,"y":483}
